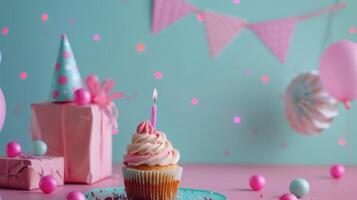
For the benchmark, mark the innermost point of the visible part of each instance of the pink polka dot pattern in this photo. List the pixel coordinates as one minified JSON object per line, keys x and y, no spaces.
{"x":236,"y":120}
{"x":66,"y":77}
{"x":342,"y":141}
{"x":200,"y":17}
{"x":194,"y":101}
{"x":67,"y":55}
{"x":140,"y":47}
{"x":265,"y":79}
{"x":55,"y":94}
{"x":5,"y":30}
{"x":158,"y":75}
{"x":352,"y":30}
{"x":57,"y":67}
{"x":44,"y":17}
{"x":23,"y":75}
{"x":62,"y":80}
{"x":96,"y":37}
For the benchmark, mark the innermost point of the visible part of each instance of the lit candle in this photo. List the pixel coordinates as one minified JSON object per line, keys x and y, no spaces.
{"x":154,"y":109}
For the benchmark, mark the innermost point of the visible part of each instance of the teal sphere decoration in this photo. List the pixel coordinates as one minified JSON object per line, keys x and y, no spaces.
{"x":39,"y":148}
{"x":299,"y":187}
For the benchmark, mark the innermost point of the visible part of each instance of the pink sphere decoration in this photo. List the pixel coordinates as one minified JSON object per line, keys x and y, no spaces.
{"x":48,"y":184}
{"x":75,"y":195}
{"x":288,"y":196}
{"x":82,"y":97}
{"x":257,"y":182}
{"x":13,"y":149}
{"x":337,"y":171}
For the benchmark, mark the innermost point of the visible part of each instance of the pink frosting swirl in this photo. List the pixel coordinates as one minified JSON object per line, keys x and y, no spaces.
{"x":150,"y":149}
{"x":145,"y":127}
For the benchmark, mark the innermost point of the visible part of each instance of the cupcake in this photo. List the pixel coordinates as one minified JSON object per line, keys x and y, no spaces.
{"x":150,"y":169}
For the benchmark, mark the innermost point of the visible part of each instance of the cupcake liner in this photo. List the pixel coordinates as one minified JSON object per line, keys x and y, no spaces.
{"x":160,"y":184}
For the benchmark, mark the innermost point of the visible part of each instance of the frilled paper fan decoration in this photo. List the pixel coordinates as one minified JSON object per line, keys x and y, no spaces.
{"x":308,"y":107}
{"x":66,"y":77}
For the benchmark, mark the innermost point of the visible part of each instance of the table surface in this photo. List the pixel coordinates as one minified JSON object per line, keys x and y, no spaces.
{"x":231,"y":180}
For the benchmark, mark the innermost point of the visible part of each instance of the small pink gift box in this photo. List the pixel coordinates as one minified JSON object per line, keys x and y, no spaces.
{"x":25,"y":173}
{"x":82,"y":134}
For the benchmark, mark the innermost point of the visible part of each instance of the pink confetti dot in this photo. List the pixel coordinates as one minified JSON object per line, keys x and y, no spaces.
{"x":158,"y":75}
{"x":71,"y":21}
{"x":55,"y":94}
{"x":265,"y":79}
{"x":44,"y":17}
{"x":284,"y":145}
{"x":96,"y":37}
{"x":200,"y":17}
{"x":342,"y":141}
{"x":58,"y":66}
{"x":23,"y":75}
{"x":236,"y":120}
{"x":115,"y":131}
{"x":194,"y":101}
{"x":352,"y":30}
{"x":236,"y":2}
{"x":67,"y":54}
{"x":140,"y":47}
{"x":254,"y":131}
{"x":227,"y":153}
{"x":5,"y":30}
{"x":62,"y":80}
{"x":247,"y":72}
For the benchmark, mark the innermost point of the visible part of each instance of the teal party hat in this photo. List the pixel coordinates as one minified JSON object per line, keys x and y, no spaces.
{"x":66,"y":78}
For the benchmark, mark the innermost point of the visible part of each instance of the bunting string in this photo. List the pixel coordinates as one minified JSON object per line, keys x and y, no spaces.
{"x":276,"y":34}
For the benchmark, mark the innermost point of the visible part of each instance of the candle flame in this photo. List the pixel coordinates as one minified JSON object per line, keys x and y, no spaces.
{"x":154,"y":95}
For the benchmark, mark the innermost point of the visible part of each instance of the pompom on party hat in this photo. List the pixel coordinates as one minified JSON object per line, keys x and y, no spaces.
{"x":66,"y":78}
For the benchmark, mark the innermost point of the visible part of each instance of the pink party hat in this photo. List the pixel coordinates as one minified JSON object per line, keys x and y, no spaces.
{"x":66,"y":78}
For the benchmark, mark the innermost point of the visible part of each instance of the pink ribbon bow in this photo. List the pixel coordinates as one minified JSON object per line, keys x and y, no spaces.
{"x":100,"y":96}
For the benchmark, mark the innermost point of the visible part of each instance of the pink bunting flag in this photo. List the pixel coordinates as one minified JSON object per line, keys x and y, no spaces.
{"x":167,"y":12}
{"x":221,"y":30}
{"x":276,"y":35}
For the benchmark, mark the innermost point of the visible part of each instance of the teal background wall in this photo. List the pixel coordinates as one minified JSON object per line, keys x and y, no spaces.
{"x":226,"y":87}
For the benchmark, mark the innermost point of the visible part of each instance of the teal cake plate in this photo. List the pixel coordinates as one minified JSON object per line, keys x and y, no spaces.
{"x":183,"y":194}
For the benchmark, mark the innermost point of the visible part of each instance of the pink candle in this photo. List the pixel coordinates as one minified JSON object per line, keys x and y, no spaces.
{"x":154,"y":109}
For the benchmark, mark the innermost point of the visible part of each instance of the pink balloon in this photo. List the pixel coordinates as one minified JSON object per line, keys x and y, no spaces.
{"x":2,"y":109}
{"x":338,"y":71}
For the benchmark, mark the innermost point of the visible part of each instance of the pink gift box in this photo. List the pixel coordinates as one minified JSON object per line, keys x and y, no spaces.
{"x":25,"y":173}
{"x":82,"y":134}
